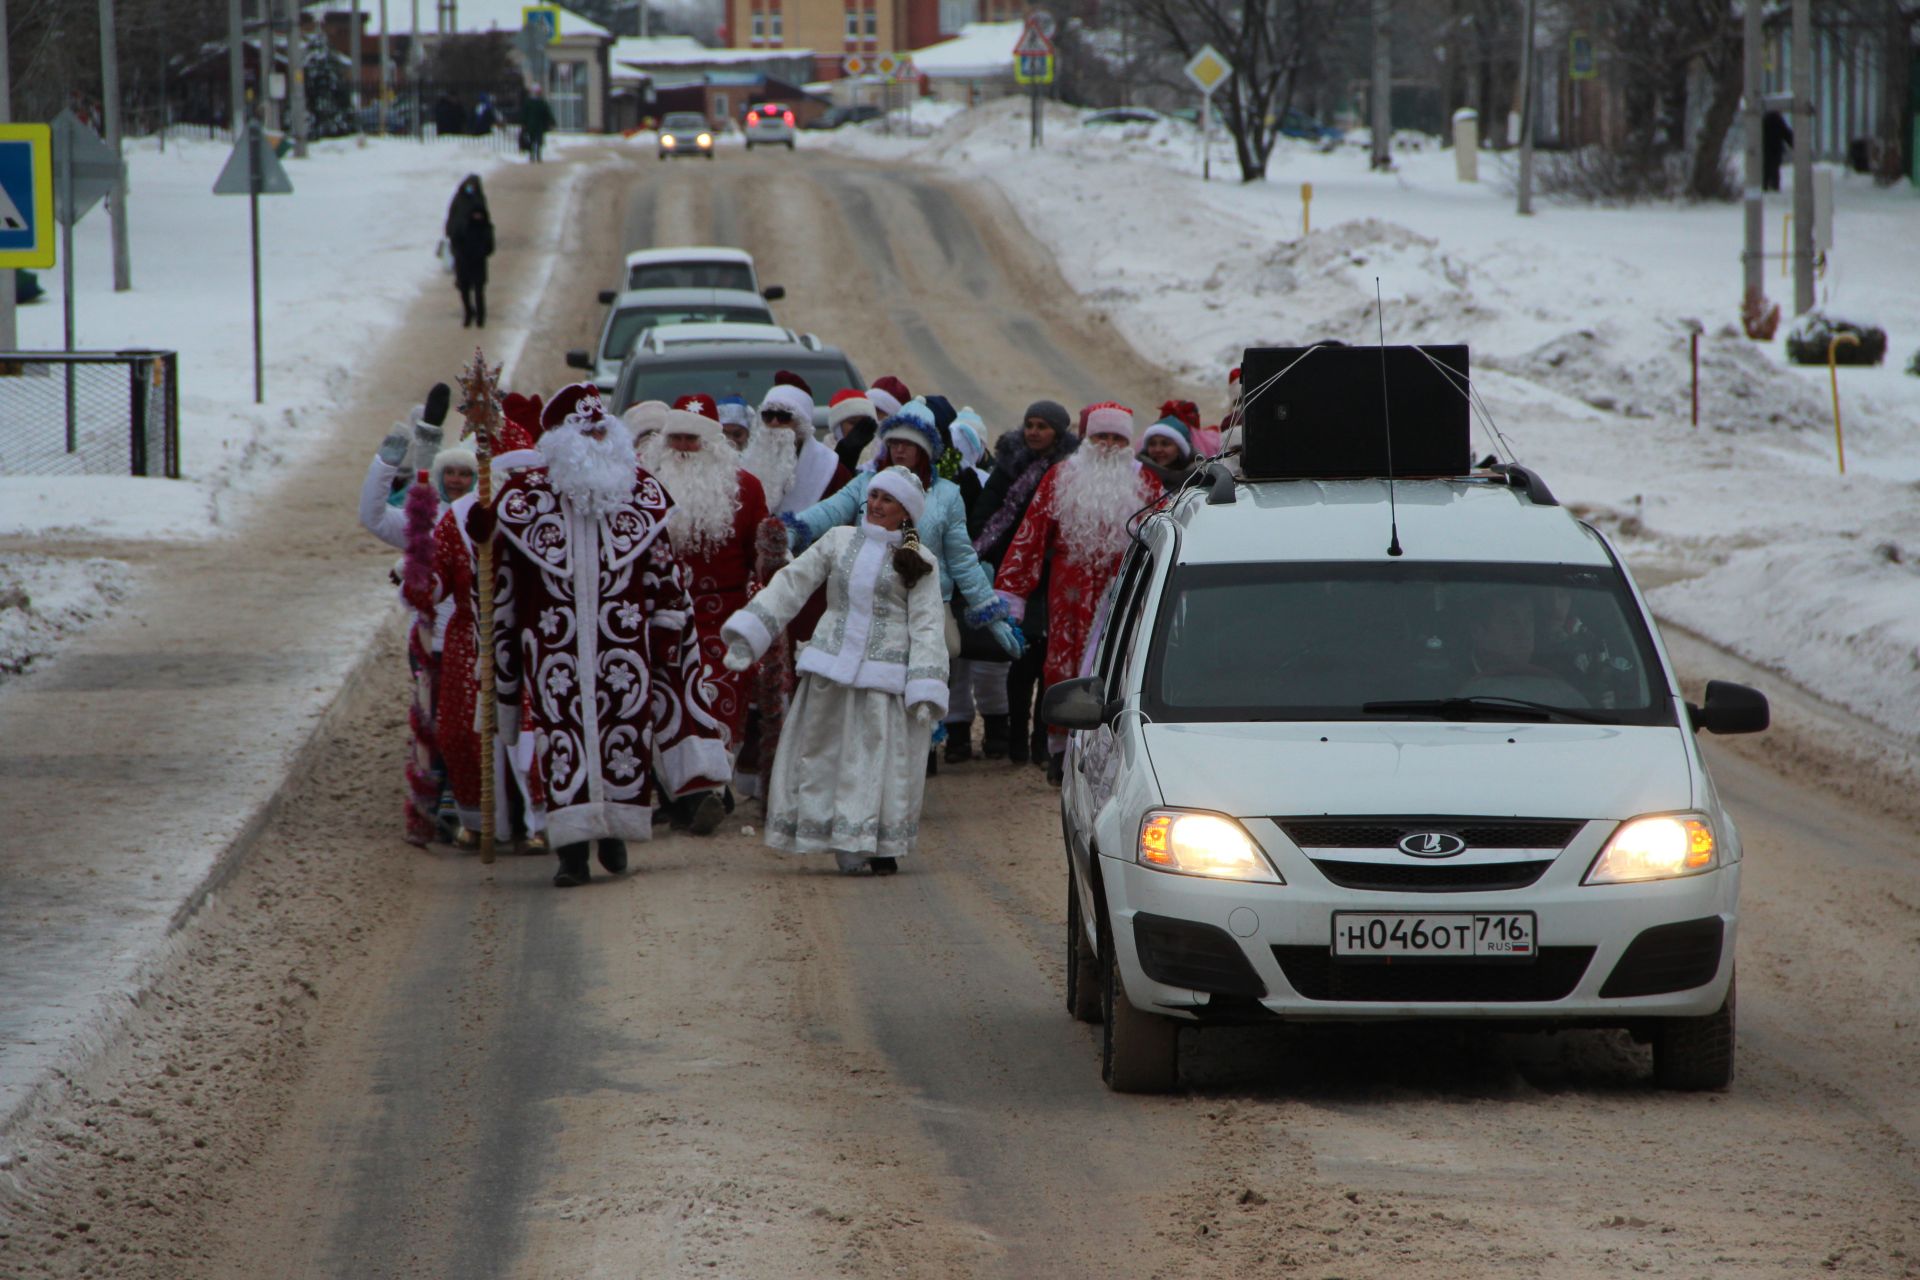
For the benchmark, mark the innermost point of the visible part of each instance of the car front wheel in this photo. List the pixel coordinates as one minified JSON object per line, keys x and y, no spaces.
{"x":1695,"y":1054}
{"x":1139,"y":1052}
{"x":1083,"y":963}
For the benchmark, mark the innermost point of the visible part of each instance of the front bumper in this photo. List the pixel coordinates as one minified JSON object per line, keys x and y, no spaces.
{"x":1194,"y":947}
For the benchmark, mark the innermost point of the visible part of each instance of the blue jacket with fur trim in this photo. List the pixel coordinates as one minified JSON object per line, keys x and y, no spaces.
{"x":942,"y":528}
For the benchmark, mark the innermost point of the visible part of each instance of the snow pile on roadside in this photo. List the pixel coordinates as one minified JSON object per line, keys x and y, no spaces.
{"x":42,"y":600}
{"x":1579,"y":320}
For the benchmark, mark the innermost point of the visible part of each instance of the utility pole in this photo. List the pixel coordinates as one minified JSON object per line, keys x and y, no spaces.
{"x":269,"y":105}
{"x":297,"y":79}
{"x":386,"y":63}
{"x":9,"y":336}
{"x":1382,"y":85}
{"x":237,"y":107}
{"x":116,"y":198}
{"x":1526,"y":112}
{"x":1756,"y":203}
{"x":353,"y":51}
{"x":1802,"y":157}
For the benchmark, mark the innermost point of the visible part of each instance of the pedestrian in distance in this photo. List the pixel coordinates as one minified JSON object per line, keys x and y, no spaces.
{"x":486,"y":116}
{"x":847,"y":777}
{"x":536,"y":122}
{"x":470,"y":238}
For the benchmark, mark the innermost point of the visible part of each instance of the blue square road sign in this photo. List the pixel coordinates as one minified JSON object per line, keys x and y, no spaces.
{"x":26,"y":196}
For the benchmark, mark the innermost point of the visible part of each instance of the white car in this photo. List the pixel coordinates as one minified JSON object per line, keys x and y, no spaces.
{"x":662,"y":338}
{"x":706,"y":266}
{"x":634,"y":312}
{"x":1312,"y":778}
{"x":769,"y":124}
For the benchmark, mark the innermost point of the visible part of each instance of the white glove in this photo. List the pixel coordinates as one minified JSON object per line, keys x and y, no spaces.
{"x":739,"y":655}
{"x":393,"y":449}
{"x":923,"y":714}
{"x":426,"y":443}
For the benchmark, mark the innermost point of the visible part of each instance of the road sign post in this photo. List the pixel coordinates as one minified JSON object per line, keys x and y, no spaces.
{"x":85,"y":169}
{"x":1033,"y":67}
{"x":254,"y":171}
{"x":1207,"y":71}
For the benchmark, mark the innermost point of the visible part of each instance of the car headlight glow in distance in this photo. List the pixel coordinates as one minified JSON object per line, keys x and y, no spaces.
{"x":669,"y":142}
{"x":705,"y":139}
{"x":1658,"y":847}
{"x":1201,"y":844}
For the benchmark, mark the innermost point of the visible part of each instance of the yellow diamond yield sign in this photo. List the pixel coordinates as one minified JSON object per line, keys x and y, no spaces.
{"x":1208,"y":70}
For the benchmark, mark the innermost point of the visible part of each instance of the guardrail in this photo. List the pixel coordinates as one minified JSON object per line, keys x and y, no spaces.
{"x":66,"y":413}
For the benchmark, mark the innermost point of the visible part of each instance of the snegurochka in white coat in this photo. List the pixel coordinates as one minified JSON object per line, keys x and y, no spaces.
{"x":850,"y":771}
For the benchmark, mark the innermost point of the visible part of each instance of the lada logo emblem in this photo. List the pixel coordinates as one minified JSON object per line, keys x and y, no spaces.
{"x":1432,"y":844}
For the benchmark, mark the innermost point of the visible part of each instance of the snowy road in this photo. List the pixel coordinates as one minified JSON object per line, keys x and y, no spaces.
{"x":373,"y":1063}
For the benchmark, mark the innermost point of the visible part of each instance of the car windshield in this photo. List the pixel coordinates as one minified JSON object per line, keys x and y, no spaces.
{"x":683,"y":122}
{"x":1347,"y":641}
{"x":630,"y":321}
{"x":742,"y":375}
{"x":692,"y":274}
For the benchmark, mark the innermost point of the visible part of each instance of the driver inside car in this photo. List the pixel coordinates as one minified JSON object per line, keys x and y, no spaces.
{"x":1503,"y":662}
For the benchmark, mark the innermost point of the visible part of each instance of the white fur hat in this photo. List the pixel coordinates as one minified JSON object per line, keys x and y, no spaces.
{"x":685,"y":422}
{"x":791,"y":398}
{"x":646,"y":417}
{"x":1110,"y":419}
{"x":903,"y":487}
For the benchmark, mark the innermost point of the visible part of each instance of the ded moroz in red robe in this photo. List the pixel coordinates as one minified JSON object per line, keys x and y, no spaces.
{"x":720,"y":576}
{"x":594,"y":629}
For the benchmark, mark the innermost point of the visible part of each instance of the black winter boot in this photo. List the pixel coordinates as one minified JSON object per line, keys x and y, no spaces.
{"x":573,"y":866}
{"x":613,"y":855}
{"x":993,"y":742}
{"x":959,"y":742}
{"x":1056,"y":769}
{"x":480,"y":306}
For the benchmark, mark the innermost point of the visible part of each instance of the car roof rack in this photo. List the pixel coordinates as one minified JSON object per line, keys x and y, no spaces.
{"x":1527,"y":481}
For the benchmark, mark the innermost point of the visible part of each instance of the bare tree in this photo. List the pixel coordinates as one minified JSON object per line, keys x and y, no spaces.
{"x":1271,"y":45}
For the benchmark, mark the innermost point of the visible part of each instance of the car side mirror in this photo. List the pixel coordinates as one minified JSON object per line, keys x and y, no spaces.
{"x":578,"y":359}
{"x":774,"y":292}
{"x":1731,"y":708}
{"x":1075,"y":704}
{"x":606,"y":297}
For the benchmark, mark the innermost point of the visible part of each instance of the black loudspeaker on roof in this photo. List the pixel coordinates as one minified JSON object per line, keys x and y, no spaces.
{"x":1320,"y":413}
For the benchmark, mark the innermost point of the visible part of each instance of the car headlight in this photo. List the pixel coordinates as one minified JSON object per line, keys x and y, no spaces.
{"x":669,"y":142}
{"x":1201,"y":844}
{"x":705,"y":139}
{"x":1657,"y":847}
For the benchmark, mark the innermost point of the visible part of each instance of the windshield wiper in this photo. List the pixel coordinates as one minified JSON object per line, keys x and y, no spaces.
{"x":1481,"y":707}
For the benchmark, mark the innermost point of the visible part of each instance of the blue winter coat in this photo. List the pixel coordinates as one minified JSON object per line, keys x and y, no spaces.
{"x":942,"y":528}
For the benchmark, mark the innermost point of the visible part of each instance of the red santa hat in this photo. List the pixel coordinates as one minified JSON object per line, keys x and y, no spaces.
{"x":701,"y":403}
{"x":1109,"y":419}
{"x":577,"y":405}
{"x":1185,"y":410}
{"x":887,"y":395}
{"x":1233,"y":385}
{"x":903,"y":487}
{"x":847,"y":405}
{"x":790,"y":392}
{"x":522,"y":412}
{"x":687,"y":422}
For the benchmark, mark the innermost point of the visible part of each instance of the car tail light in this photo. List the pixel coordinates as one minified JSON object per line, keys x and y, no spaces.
{"x":753,"y":117}
{"x":788,"y":116}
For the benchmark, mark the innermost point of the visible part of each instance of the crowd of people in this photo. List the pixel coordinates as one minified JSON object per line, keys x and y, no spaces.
{"x":701,"y":604}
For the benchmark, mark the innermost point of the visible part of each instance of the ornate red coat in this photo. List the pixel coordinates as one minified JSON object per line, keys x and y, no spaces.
{"x":1078,"y":577}
{"x":720,"y":577}
{"x":594,"y":629}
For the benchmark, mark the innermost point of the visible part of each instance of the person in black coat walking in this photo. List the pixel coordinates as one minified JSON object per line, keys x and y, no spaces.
{"x":470,"y":237}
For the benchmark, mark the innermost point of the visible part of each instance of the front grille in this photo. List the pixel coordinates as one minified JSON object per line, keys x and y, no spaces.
{"x":1431,"y":877}
{"x":1551,"y":976}
{"x":1200,"y":957}
{"x":1386,"y":833}
{"x":1668,"y":957}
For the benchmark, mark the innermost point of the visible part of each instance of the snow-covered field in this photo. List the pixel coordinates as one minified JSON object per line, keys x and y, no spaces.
{"x":1578,"y":318}
{"x":340,"y":259}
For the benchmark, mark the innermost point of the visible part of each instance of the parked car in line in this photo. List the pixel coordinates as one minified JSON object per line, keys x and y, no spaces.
{"x":1298,"y":124}
{"x":1123,"y":115}
{"x":664,"y":338}
{"x":695,"y":267}
{"x":632,"y":312}
{"x":685,"y":133}
{"x":734,"y":368}
{"x":769,"y":124}
{"x":834,"y":117}
{"x":1334,"y":767}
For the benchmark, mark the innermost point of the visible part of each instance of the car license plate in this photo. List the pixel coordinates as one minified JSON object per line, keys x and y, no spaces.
{"x":1390,"y":935}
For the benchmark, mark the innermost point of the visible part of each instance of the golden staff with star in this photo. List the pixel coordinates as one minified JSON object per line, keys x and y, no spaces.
{"x":480,"y":384}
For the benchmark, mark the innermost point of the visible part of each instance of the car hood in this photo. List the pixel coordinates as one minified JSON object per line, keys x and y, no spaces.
{"x":1528,"y":770}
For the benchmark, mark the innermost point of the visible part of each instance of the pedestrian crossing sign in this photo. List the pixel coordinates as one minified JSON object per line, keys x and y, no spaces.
{"x":26,"y":195}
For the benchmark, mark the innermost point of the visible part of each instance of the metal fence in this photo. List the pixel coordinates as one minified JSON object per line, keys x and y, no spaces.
{"x":70,"y":413}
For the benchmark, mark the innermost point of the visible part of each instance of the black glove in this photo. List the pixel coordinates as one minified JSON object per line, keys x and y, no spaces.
{"x":438,"y":400}
{"x":480,"y":524}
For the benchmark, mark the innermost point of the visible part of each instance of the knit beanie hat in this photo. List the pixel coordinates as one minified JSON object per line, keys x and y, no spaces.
{"x":969,"y":433}
{"x":456,"y":455}
{"x":733,"y":411}
{"x":888,"y":394}
{"x":1185,"y":410}
{"x":903,"y":487}
{"x":847,"y":405}
{"x":914,"y":423}
{"x":1173,"y":429}
{"x":1109,"y":419}
{"x":1051,"y":412}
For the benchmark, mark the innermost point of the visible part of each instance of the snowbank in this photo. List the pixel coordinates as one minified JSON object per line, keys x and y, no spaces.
{"x":1579,"y":319}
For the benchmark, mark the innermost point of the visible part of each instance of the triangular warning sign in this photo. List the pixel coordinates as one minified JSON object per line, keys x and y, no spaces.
{"x":1033,"y":42}
{"x":233,"y":179}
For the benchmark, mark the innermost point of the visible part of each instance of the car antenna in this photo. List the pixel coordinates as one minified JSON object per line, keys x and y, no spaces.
{"x":1386,"y":420}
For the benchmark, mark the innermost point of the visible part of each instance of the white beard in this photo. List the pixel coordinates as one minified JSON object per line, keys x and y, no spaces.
{"x":1099,"y":490}
{"x":597,"y":476}
{"x":771,"y":457}
{"x":705,"y":488}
